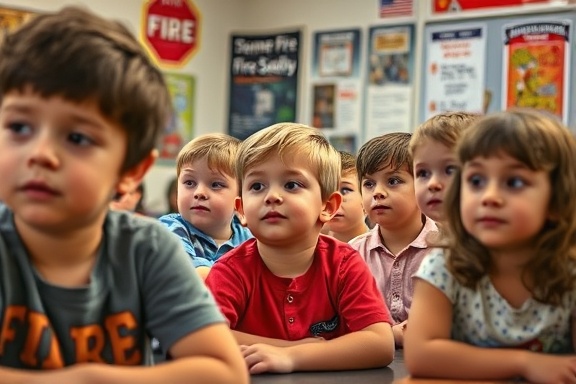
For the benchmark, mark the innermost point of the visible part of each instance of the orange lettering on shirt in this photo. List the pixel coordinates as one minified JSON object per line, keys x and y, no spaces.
{"x":11,"y":314}
{"x":84,"y":337}
{"x":123,"y":347}
{"x":37,"y":325}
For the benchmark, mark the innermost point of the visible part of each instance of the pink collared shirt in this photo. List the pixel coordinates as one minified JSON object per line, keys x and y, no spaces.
{"x":393,"y":274}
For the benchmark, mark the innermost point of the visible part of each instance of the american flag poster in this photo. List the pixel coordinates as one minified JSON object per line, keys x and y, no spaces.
{"x":395,"y":8}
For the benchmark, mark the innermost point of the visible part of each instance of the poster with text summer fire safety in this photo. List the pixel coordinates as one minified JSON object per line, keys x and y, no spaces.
{"x":536,"y":66}
{"x":263,"y":81}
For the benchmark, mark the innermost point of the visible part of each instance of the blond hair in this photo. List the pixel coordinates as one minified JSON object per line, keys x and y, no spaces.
{"x":444,"y":128}
{"x":297,"y":141}
{"x":541,"y":142}
{"x":218,"y":149}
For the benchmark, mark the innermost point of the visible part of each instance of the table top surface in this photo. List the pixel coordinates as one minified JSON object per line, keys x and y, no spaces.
{"x":395,"y":371}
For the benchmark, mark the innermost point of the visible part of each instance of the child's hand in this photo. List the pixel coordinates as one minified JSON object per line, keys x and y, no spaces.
{"x":541,"y":368}
{"x":262,"y":358}
{"x":398,"y":331}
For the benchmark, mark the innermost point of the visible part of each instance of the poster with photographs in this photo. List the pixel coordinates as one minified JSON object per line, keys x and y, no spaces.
{"x":336,"y":102}
{"x":390,"y":90}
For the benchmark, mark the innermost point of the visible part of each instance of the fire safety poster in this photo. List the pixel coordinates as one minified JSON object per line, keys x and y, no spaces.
{"x":263,"y":81}
{"x":536,"y":62}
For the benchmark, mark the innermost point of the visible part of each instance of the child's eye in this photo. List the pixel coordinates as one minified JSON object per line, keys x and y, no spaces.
{"x":19,"y":128}
{"x":292,"y":185}
{"x":345,"y":191}
{"x":451,"y":169}
{"x":515,"y":182}
{"x":256,"y":187}
{"x":190,"y":183}
{"x":80,"y":139}
{"x":422,"y":173}
{"x":368,"y":184}
{"x":218,"y":185}
{"x":476,"y":181}
{"x":394,"y":181}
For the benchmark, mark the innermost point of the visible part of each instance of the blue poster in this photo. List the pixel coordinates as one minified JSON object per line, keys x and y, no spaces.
{"x":263,"y":81}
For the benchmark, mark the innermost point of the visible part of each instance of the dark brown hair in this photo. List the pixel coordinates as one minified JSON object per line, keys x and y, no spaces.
{"x":388,"y":150}
{"x":80,"y":56}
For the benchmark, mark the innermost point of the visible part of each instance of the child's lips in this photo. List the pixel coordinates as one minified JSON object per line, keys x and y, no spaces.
{"x":273,"y":215}
{"x":38,"y":191}
{"x":199,"y":208}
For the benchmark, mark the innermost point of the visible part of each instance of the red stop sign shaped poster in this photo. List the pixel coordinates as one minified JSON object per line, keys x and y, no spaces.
{"x":171,"y":30}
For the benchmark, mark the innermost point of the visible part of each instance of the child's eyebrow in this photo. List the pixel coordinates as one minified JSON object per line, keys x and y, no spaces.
{"x":16,"y":108}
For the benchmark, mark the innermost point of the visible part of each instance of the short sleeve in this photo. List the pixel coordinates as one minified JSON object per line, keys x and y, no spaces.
{"x":433,"y":270}
{"x":228,"y":290}
{"x":360,"y":301}
{"x":176,"y":300}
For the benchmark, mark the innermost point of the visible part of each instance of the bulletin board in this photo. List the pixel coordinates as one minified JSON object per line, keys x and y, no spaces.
{"x":508,"y":60}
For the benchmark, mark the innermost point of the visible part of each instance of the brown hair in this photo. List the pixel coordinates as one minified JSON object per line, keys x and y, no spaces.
{"x":348,"y":161}
{"x":80,"y":56}
{"x":541,"y":142}
{"x":389,"y":150}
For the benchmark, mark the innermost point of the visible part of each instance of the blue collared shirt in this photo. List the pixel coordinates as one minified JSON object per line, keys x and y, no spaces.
{"x":200,"y":247}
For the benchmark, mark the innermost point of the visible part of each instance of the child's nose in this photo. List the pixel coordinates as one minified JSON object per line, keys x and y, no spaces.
{"x":43,"y":151}
{"x":492,"y":195}
{"x":273,"y":196}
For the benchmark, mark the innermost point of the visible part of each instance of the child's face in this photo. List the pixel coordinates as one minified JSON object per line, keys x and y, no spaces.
{"x":434,"y":166}
{"x":389,"y":198}
{"x":281,"y":202}
{"x":206,"y":198}
{"x":351,"y":212}
{"x":504,"y":204}
{"x":60,"y":161}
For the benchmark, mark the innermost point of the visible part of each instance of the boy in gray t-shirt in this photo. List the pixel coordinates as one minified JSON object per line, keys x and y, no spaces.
{"x":81,"y":111}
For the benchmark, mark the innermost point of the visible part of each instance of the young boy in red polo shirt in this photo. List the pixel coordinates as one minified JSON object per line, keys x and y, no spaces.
{"x":297,"y":300}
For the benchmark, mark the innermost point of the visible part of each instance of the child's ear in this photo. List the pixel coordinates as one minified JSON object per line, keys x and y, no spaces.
{"x":131,"y":178}
{"x":331,"y":206}
{"x":240,"y":209}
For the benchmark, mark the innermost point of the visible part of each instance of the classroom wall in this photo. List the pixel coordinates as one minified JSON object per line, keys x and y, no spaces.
{"x":220,"y":18}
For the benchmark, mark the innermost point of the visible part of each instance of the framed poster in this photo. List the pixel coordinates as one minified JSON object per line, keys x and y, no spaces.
{"x":536,"y":66}
{"x":263,"y":81}
{"x":336,"y":53}
{"x":181,"y":129}
{"x":389,"y":106}
{"x":455,"y":69}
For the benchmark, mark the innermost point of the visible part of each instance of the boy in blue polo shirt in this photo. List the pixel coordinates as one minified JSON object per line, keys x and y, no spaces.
{"x":207,"y":188}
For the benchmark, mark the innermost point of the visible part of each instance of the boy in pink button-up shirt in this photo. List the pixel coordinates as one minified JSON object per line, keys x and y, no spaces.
{"x":396,"y":245}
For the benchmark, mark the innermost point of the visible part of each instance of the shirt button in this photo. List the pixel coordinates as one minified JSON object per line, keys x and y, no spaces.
{"x":289,"y":298}
{"x":291,"y":320}
{"x":395,"y":296}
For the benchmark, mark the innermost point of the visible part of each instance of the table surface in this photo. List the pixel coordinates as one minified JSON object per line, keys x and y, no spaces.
{"x":395,"y":371}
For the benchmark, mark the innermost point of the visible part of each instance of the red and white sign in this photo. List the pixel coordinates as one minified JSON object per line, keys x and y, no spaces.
{"x":444,"y":6}
{"x":171,"y":30}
